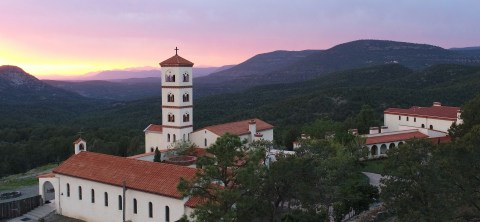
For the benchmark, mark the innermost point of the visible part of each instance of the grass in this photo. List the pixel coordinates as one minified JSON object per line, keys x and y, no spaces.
{"x":29,"y":178}
{"x":374,"y":166}
{"x":15,"y":183}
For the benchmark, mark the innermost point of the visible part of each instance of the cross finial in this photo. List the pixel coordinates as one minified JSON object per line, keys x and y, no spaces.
{"x":176,"y":50}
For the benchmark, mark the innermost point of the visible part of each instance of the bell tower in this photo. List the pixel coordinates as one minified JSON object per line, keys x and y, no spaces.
{"x":177,"y":104}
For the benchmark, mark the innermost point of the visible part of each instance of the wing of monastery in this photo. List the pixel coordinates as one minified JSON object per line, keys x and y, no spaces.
{"x":416,"y":122}
{"x":99,"y":187}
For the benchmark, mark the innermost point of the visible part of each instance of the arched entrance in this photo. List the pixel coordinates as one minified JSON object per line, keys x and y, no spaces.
{"x":48,"y":192}
{"x":392,"y":145}
{"x":374,"y":150}
{"x":383,"y":149}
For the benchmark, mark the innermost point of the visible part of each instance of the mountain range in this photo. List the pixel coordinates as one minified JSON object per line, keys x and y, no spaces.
{"x":287,"y":67}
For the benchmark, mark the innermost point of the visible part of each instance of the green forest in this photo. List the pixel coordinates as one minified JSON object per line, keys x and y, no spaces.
{"x":37,"y":133}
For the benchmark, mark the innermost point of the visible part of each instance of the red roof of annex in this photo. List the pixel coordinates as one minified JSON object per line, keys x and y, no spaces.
{"x":157,"y":178}
{"x":394,"y":137}
{"x":433,"y":112}
{"x":237,"y":128}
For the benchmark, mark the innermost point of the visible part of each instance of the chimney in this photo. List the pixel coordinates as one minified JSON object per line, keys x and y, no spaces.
{"x":80,"y":145}
{"x":373,"y":130}
{"x":437,"y":104}
{"x":252,"y":127}
{"x":384,"y":129}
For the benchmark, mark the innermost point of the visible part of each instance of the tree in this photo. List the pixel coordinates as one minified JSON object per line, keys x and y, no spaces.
{"x":228,"y":181}
{"x":158,"y":156}
{"x":365,"y":119}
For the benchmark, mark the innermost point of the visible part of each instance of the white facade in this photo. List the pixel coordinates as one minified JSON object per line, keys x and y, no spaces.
{"x":204,"y":138}
{"x":153,"y":140}
{"x":68,"y":202}
{"x":396,"y":122}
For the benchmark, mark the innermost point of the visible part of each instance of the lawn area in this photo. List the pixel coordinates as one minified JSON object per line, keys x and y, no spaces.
{"x":15,"y":183}
{"x":373,"y":166}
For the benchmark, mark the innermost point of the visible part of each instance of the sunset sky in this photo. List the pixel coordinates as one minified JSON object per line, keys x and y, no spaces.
{"x":74,"y":37}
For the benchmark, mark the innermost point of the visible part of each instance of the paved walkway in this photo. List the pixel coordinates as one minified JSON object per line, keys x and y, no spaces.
{"x":36,"y":214}
{"x":374,"y":178}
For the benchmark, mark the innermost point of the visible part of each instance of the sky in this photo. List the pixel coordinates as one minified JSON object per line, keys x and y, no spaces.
{"x":74,"y":37}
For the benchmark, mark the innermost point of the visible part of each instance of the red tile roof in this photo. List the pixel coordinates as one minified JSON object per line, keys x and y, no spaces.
{"x":394,"y":137}
{"x":434,"y":112}
{"x":237,"y":128}
{"x":46,"y":175}
{"x":157,"y":178}
{"x":154,"y":128}
{"x":194,"y":201}
{"x":176,"y":61}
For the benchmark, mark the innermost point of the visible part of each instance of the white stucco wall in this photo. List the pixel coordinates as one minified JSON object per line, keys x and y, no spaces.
{"x":153,"y":140}
{"x":394,"y":124}
{"x":198,"y":138}
{"x":86,"y":210}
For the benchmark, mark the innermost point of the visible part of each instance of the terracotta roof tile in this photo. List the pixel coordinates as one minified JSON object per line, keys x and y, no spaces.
{"x":194,"y":201}
{"x":154,"y":128}
{"x":78,"y":140}
{"x":46,"y":175}
{"x":434,"y":112}
{"x":158,"y":178}
{"x":176,"y":61}
{"x":237,"y":128}
{"x":394,"y":137}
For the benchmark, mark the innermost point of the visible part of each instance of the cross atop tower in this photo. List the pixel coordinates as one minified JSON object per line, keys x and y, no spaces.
{"x":176,"y":50}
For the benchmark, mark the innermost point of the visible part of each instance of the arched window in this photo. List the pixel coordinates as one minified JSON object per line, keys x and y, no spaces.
{"x":205,"y":141}
{"x":79,"y":192}
{"x":186,"y":97}
{"x":174,"y":138}
{"x":407,"y":118}
{"x":171,"y":117}
{"x":401,"y":143}
{"x":399,"y":117}
{"x":391,"y":146}
{"x":151,"y":149}
{"x":186,"y":117}
{"x":134,"y":206}
{"x":150,"y":209}
{"x":185,"y":77}
{"x":423,"y":125}
{"x":168,"y":137}
{"x":81,"y":147}
{"x":68,"y":189}
{"x":383,"y":149}
{"x":169,"y":78}
{"x":431,"y":127}
{"x":120,"y":204}
{"x":170,"y":97}
{"x":93,"y":195}
{"x":167,"y":213}
{"x":106,"y":198}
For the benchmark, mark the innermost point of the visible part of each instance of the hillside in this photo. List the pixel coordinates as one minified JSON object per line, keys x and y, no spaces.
{"x":356,"y":54}
{"x":25,"y":99}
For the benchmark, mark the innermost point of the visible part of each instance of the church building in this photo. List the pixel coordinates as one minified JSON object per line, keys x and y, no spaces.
{"x":177,"y":114}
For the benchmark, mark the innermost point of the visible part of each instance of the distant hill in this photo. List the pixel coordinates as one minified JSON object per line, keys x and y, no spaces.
{"x":305,"y":65}
{"x":471,"y":51}
{"x":153,"y":72}
{"x":25,"y":100}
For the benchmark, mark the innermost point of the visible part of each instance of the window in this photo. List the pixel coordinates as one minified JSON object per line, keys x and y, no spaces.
{"x":134,"y":206}
{"x":423,"y":125}
{"x":169,"y":78}
{"x":168,"y":137}
{"x":399,"y":117}
{"x":150,"y":209}
{"x":185,"y":77}
{"x":184,"y":137}
{"x":431,"y":127}
{"x":170,"y":97}
{"x":174,"y":138}
{"x":120,"y":202}
{"x":407,"y":118}
{"x":93,"y":195}
{"x":186,"y":117}
{"x":186,"y":97}
{"x":205,"y":142}
{"x":106,"y":199}
{"x":151,"y":149}
{"x":171,"y":118}
{"x":81,"y":147}
{"x":167,"y":213}
{"x":414,"y":119}
{"x":68,"y":189}
{"x":79,"y":192}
